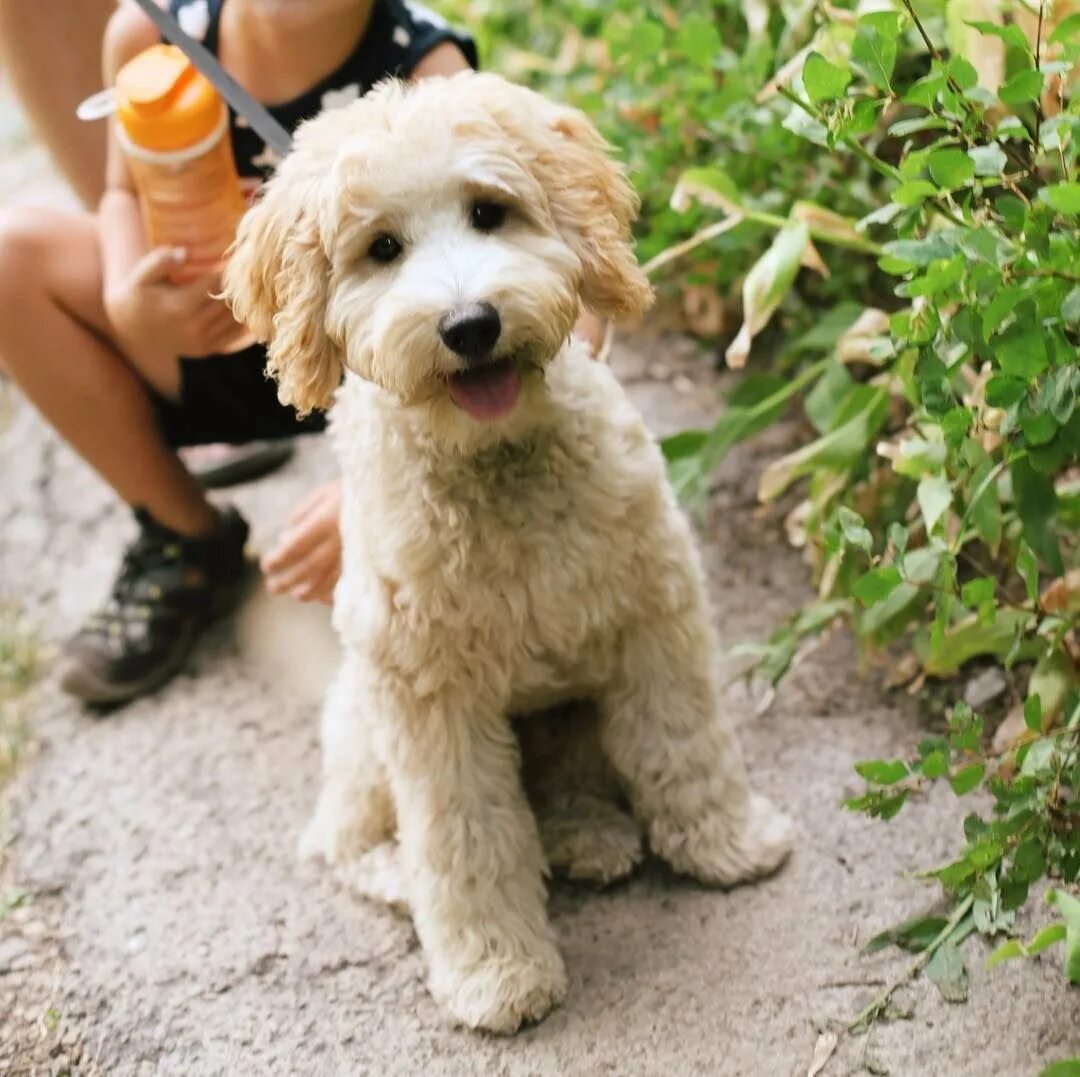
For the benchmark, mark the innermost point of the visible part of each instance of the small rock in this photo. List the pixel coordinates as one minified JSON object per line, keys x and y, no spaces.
{"x":985,"y":687}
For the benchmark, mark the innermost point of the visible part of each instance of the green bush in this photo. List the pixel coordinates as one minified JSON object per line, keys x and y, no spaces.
{"x":893,"y":196}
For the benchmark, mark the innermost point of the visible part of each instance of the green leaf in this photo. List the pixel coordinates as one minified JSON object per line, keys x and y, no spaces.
{"x":699,"y":41}
{"x":1002,"y":391}
{"x":823,"y":80}
{"x":989,"y":160}
{"x":1039,"y":429}
{"x":1070,"y":307}
{"x":955,"y":424}
{"x":1036,"y":504}
{"x":710,"y":186}
{"x":876,"y":584}
{"x":967,"y":778}
{"x":913,"y":193}
{"x":874,"y":47}
{"x":947,"y":970}
{"x":1011,"y":35}
{"x":1069,"y":909}
{"x":685,"y":443}
{"x":840,"y":449}
{"x":951,"y":167}
{"x":1007,"y":951}
{"x":882,"y":773}
{"x":1046,"y":938}
{"x":646,"y":38}
{"x":913,"y":935}
{"x":1033,"y":713}
{"x":853,"y":529}
{"x":921,"y":252}
{"x":934,"y":496}
{"x":913,"y":127}
{"x":1062,"y":197}
{"x":970,"y":638}
{"x":1068,"y":30}
{"x":1028,"y":566}
{"x":1022,"y":353}
{"x":822,"y":403}
{"x":1024,"y":86}
{"x":935,"y":765}
{"x":1067,"y":1067}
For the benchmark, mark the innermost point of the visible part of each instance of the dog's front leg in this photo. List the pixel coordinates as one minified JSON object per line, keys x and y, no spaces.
{"x":473,"y":860}
{"x":667,"y":736}
{"x":354,"y":812}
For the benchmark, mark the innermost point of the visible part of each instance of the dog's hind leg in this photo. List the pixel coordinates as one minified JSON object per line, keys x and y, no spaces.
{"x":355,"y":810}
{"x":585,"y":829}
{"x":665,"y":732}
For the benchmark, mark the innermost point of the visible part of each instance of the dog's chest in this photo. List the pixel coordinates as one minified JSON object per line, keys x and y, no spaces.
{"x":522,"y":562}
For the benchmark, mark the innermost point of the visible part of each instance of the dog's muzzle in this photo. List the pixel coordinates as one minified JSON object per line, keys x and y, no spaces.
{"x":471,"y":332}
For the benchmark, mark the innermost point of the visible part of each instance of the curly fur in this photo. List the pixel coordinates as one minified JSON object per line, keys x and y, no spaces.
{"x":493,"y":568}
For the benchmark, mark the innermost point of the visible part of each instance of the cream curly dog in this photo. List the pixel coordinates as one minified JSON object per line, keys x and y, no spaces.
{"x":510,"y":541}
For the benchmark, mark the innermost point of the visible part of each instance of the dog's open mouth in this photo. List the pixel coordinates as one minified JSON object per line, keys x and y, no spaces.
{"x":489,"y":392}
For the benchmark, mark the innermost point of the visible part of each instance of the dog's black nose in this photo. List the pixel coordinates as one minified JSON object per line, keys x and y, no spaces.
{"x":471,"y":331}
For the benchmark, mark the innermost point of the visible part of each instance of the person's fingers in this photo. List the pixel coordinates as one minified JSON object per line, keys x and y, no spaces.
{"x":319,"y":587}
{"x":318,"y":497}
{"x":296,"y":544}
{"x":155,"y":266}
{"x":300,"y":562}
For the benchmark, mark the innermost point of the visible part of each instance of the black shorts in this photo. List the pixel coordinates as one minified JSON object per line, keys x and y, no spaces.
{"x":229,"y":398}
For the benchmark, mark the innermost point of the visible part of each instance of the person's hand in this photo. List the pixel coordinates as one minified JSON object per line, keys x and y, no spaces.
{"x":306,"y":561}
{"x":151,"y":313}
{"x":592,"y":329}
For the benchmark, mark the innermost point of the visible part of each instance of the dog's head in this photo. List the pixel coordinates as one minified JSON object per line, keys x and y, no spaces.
{"x":438,"y":240}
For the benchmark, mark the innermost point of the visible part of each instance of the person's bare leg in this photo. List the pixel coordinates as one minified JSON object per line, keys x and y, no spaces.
{"x":52,"y":55}
{"x":58,"y":351}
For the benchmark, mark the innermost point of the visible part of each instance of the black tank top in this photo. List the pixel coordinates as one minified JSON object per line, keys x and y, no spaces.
{"x":399,"y":34}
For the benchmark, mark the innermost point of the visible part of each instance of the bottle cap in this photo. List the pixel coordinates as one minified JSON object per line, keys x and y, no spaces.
{"x":163,"y":103}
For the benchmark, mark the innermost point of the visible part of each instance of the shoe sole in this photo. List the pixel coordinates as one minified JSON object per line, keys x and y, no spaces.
{"x":93,"y":691}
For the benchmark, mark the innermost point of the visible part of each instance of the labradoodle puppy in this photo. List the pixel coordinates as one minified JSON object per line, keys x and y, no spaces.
{"x":511,"y":544}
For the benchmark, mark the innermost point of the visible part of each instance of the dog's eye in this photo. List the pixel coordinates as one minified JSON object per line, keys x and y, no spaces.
{"x":487,"y":216}
{"x":385,"y":248}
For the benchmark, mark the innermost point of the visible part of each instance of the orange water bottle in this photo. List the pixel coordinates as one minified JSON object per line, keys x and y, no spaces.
{"x":174,"y":130}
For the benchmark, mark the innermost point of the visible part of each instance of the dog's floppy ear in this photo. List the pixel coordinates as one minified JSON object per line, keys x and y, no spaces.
{"x":594,"y":207}
{"x":276,"y":281}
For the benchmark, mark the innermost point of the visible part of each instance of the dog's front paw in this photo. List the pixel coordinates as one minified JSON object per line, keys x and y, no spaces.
{"x":725,"y":848}
{"x":499,"y":994}
{"x":347,"y":823}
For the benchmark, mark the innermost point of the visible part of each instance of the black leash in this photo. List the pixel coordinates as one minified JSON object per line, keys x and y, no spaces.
{"x":268,"y":129}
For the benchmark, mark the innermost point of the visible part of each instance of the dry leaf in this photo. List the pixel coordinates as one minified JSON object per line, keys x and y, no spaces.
{"x":1012,"y":732}
{"x":703,"y":309}
{"x":823,"y":1051}
{"x":1063,"y":595}
{"x":858,"y":341}
{"x":766,"y":285}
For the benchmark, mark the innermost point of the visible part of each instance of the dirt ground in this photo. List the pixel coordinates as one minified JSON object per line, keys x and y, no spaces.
{"x":165,"y":925}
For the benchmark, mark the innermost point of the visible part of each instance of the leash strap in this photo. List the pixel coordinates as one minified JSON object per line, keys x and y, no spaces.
{"x":268,"y":129}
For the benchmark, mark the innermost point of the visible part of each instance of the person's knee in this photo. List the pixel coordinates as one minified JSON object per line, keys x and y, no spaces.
{"x":27,"y":238}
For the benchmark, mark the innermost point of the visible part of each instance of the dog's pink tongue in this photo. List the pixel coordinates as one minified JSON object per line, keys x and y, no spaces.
{"x":489,"y":393}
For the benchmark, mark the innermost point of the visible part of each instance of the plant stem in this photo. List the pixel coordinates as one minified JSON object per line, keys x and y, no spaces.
{"x":1038,"y":100}
{"x":865,"y":155}
{"x":871,"y":1012}
{"x":852,"y":144}
{"x":956,"y":89}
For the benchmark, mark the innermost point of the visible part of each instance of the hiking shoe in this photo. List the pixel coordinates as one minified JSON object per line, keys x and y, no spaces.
{"x":168,"y":589}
